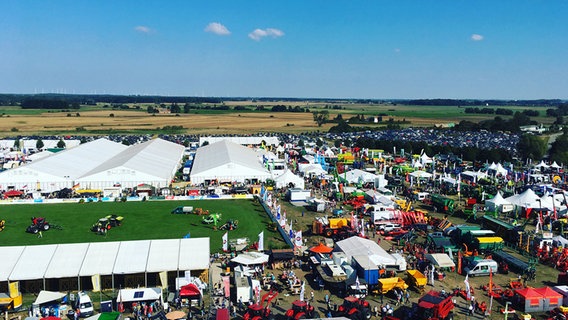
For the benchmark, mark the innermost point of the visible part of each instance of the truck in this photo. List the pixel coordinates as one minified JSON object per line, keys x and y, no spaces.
{"x":329,"y":227}
{"x":442,"y":204}
{"x":379,"y":213}
{"x":183,"y":210}
{"x":435,"y":306}
{"x":387,"y":284}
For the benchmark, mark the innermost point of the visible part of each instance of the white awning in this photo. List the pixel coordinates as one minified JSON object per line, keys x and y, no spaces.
{"x":10,"y":256}
{"x":441,"y":260}
{"x":194,"y":254}
{"x":33,"y":263}
{"x":66,"y":260}
{"x":48,"y":296}
{"x":132,"y":257}
{"x":248,"y":258}
{"x":99,"y":258}
{"x":163,"y":255}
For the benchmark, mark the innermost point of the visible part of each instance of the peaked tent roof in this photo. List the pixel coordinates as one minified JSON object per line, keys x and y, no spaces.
{"x":289,"y":177}
{"x":547,"y":292}
{"x":525,"y":199}
{"x":528,"y":293}
{"x":358,"y":175}
{"x":227,"y":160}
{"x":321,"y":248}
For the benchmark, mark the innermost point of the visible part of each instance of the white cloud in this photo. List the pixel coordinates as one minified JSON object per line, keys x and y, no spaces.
{"x":143,"y":29}
{"x":476,"y":37}
{"x":218,"y":29}
{"x":258,"y":34}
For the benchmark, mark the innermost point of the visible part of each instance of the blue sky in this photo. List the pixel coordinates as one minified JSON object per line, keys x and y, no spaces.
{"x":330,"y":49}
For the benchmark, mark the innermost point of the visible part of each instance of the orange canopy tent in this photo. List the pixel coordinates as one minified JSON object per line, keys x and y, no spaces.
{"x":321,"y":248}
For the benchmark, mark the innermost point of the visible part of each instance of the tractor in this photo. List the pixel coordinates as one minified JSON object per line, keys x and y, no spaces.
{"x":261,"y":311}
{"x":106,"y":223}
{"x":38,"y":224}
{"x":301,"y":310}
{"x":211,"y":218}
{"x":229,"y":225}
{"x":354,"y":308}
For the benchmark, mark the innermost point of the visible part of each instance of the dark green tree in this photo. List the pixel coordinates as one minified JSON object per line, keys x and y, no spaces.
{"x":39,"y":144}
{"x":532,"y":147}
{"x":559,"y":149}
{"x":321,"y":117}
{"x":61,"y":143}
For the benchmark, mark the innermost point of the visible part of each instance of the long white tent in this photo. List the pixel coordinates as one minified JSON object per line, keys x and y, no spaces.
{"x":226,"y":160}
{"x":107,"y":258}
{"x":99,"y":164}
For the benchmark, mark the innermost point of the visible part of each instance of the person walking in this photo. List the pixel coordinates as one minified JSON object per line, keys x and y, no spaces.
{"x":39,"y":234}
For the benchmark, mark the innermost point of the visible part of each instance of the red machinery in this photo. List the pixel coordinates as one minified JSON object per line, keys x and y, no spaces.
{"x":301,"y":310}
{"x":354,"y":308}
{"x":435,"y":306}
{"x":261,"y":311}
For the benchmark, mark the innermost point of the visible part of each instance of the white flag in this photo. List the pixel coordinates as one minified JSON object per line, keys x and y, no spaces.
{"x":303,"y":291}
{"x":298,"y":239}
{"x":226,"y":241}
{"x":261,"y":241}
{"x":467,"y":289}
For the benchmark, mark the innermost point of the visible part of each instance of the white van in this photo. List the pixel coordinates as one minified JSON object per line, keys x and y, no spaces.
{"x":481,"y":267}
{"x":84,"y":304}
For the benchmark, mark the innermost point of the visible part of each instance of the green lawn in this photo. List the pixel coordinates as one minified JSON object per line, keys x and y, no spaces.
{"x":142,"y":220}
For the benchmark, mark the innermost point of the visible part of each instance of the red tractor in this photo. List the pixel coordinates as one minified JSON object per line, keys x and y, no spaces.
{"x":355,"y":309}
{"x":261,"y":311}
{"x":435,"y":306}
{"x":301,"y":310}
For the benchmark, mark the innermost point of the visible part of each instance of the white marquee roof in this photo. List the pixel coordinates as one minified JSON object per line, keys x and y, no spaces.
{"x":226,"y":160}
{"x":241,"y":140}
{"x":86,"y":259}
{"x":99,"y":164}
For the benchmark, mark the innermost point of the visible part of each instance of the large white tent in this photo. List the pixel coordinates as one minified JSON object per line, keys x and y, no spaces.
{"x":357,"y":246}
{"x":250,"y":140}
{"x":106,"y":258}
{"x":99,"y":164}
{"x":61,"y":169}
{"x":153,"y":162}
{"x":226,"y":160}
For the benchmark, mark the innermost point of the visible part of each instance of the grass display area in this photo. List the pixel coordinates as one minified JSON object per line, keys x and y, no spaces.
{"x":142,"y":220}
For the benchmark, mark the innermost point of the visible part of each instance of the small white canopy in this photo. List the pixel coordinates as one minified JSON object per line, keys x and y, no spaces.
{"x":496,"y":203}
{"x":288,"y":177}
{"x":357,"y":176}
{"x":541,"y":165}
{"x":555,"y":165}
{"x":425,"y":159}
{"x":441,"y":260}
{"x":48,"y":296}
{"x":313,"y":169}
{"x":250,"y":258}
{"x":421,"y":174}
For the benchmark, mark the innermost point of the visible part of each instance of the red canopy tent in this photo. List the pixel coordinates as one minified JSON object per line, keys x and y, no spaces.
{"x":13,"y":193}
{"x":530,"y":299}
{"x":189,"y":291}
{"x":321,"y":248}
{"x":552,"y":299}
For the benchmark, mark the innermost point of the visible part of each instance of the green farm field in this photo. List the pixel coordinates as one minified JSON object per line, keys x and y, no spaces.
{"x":98,"y":120}
{"x":142,"y":220}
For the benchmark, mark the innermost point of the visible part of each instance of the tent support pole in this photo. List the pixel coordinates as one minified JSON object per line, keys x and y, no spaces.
{"x":145,"y":279}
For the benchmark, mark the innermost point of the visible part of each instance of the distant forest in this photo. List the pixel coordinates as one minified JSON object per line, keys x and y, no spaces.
{"x":59,"y":101}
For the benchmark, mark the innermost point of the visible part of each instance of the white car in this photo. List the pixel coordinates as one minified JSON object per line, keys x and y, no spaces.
{"x":389,"y":227}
